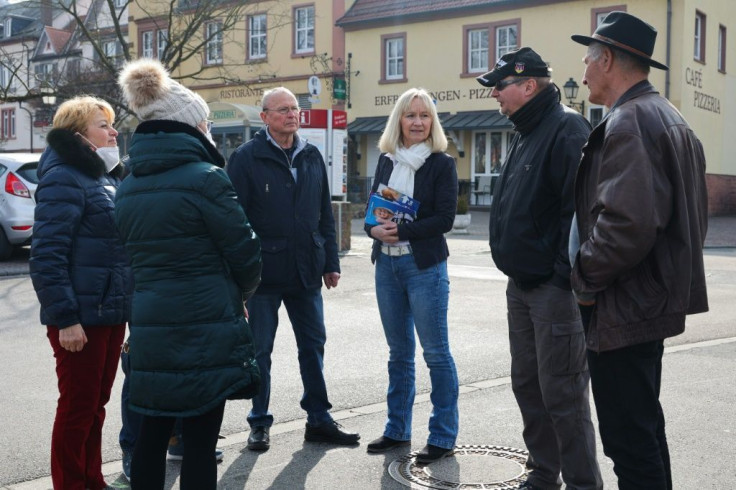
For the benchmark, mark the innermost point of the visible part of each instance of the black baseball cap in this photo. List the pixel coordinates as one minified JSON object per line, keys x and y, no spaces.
{"x":523,"y":62}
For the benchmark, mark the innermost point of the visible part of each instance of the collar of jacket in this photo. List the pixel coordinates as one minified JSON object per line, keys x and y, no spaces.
{"x":530,"y":114}
{"x":636,"y":90}
{"x":72,"y":152}
{"x":268,"y":148}
{"x":162,"y":126}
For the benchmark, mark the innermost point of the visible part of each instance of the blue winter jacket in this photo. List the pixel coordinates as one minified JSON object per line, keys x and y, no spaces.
{"x":78,"y":264}
{"x":292,"y":217}
{"x":195,"y":260}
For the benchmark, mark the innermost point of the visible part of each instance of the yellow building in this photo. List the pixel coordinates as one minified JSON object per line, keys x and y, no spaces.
{"x":246,"y":48}
{"x":393,"y":46}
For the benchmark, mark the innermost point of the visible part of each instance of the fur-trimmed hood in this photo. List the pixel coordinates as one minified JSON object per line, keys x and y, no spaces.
{"x":71,"y":151}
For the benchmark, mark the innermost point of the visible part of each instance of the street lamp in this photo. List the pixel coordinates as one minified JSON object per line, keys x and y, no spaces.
{"x":571,"y":92}
{"x":48,"y":97}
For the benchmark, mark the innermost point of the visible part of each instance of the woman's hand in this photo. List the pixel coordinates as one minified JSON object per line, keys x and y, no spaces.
{"x":386,"y":232}
{"x":72,"y":338}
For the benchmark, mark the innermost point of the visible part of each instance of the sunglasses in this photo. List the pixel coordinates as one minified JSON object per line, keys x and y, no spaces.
{"x":505,"y":83}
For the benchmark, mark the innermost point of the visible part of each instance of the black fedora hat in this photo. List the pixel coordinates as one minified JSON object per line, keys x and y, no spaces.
{"x":623,"y":31}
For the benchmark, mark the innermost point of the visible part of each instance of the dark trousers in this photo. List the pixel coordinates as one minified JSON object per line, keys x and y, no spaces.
{"x":85,"y":379}
{"x":198,"y":466}
{"x":550,"y":379}
{"x":626,"y":385}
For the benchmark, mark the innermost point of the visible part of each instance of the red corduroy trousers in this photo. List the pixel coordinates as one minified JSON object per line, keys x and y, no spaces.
{"x":85,"y":381}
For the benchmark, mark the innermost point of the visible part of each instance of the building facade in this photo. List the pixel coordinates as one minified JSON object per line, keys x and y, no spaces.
{"x":443,"y":46}
{"x":251,"y":48}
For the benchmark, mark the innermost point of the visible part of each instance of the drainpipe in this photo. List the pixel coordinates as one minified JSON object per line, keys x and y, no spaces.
{"x":669,"y":41}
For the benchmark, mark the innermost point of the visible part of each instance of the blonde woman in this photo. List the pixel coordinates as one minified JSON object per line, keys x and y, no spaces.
{"x":412,"y":286}
{"x":83,"y":281}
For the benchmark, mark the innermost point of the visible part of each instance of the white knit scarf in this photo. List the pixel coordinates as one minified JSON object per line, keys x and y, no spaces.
{"x":408,"y":161}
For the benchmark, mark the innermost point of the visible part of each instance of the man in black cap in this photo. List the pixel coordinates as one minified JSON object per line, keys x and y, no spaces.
{"x":529,"y":228}
{"x":642,"y":208}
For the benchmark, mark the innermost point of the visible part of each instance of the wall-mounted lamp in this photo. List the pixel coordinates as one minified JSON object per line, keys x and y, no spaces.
{"x":571,"y":92}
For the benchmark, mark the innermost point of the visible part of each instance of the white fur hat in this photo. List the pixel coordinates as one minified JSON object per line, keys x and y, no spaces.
{"x":152,"y":94}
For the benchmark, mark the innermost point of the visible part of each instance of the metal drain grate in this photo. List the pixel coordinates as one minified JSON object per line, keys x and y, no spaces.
{"x":471,"y":467}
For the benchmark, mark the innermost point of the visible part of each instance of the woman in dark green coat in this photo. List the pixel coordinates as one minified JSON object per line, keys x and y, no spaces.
{"x":195,"y":261}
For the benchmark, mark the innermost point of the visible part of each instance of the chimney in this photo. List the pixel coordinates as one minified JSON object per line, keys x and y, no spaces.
{"x":46,"y":12}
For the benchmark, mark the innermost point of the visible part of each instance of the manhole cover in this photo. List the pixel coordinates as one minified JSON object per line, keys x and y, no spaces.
{"x":471,"y":467}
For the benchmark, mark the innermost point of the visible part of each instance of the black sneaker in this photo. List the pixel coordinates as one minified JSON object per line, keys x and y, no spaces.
{"x":431,"y":453}
{"x":330,"y":432}
{"x":259,"y":439}
{"x":383,"y":444}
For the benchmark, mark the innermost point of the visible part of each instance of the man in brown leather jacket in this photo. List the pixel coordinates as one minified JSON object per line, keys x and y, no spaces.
{"x":641,"y":211}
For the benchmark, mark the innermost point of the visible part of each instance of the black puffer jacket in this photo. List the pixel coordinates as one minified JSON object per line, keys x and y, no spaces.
{"x":533,"y":200}
{"x":78,"y":264}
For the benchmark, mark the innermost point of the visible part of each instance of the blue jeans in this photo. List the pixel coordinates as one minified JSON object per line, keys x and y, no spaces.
{"x":131,"y":420}
{"x":410,"y":298}
{"x":305,"y":311}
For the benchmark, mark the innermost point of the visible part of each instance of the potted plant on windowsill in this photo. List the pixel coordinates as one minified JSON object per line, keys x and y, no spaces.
{"x":462,"y":216}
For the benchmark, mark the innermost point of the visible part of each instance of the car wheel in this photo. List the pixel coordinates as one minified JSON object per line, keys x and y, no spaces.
{"x":6,"y":248}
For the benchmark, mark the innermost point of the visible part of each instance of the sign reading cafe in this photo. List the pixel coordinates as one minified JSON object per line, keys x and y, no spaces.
{"x":701,"y":100}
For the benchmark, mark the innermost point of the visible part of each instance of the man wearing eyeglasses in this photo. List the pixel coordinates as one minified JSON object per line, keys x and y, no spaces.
{"x":530,"y":220}
{"x":281,"y":182}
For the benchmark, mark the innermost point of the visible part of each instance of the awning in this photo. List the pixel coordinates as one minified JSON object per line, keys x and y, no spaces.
{"x":474,"y":120}
{"x":366,"y":125}
{"x":471,"y":120}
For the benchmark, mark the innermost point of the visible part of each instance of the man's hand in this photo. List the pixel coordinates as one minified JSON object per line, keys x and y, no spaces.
{"x":331,"y":279}
{"x":72,"y":338}
{"x":386,"y":232}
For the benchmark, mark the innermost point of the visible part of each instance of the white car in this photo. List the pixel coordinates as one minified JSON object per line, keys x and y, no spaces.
{"x":18,"y":181}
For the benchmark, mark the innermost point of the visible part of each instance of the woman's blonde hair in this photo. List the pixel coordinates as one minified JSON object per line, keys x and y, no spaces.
{"x":75,"y":114}
{"x":392,"y":138}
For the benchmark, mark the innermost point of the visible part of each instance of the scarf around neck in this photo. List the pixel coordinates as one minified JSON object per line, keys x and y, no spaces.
{"x":408,"y":161}
{"x":530,"y":114}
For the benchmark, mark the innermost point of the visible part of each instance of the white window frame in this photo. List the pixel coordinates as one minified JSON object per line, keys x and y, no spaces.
{"x":110,"y":48}
{"x":502,"y":49}
{"x":162,"y":40}
{"x":477,"y":53}
{"x":257,"y":42}
{"x":304,"y":29}
{"x":8,"y":124}
{"x":213,"y":48}
{"x":394,"y":61}
{"x":147,"y":44}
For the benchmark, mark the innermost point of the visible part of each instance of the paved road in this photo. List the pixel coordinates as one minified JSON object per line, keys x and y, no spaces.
{"x":355,"y":363}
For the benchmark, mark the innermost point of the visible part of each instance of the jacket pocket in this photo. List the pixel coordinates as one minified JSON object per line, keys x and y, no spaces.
{"x":319,"y":256}
{"x":275,"y":257}
{"x":104,"y":293}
